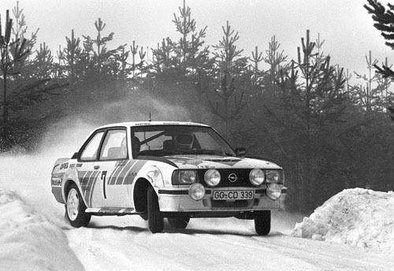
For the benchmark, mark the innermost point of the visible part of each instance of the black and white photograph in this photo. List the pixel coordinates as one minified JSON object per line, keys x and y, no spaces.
{"x":196,"y":135}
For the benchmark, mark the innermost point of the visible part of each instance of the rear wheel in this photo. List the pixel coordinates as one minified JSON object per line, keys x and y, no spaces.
{"x":75,"y":208}
{"x":179,"y":222}
{"x":155,"y":217}
{"x":262,"y":222}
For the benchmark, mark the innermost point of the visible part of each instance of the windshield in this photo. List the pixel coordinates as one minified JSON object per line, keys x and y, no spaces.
{"x":162,"y":140}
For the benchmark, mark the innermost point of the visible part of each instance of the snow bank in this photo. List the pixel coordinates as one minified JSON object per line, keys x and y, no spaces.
{"x":28,"y":241}
{"x":357,"y":217}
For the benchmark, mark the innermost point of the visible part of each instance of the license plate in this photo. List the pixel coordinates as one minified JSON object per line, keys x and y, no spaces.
{"x":233,"y":195}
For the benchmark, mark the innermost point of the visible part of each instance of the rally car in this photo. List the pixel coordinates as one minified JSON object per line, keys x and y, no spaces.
{"x":166,"y":170}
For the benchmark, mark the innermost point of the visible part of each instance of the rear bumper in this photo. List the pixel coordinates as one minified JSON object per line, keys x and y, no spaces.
{"x":178,"y":200}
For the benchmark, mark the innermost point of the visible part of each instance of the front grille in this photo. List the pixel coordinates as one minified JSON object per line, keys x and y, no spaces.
{"x":242,"y":178}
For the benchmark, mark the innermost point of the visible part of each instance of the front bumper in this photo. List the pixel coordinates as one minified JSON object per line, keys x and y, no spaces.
{"x":178,"y":200}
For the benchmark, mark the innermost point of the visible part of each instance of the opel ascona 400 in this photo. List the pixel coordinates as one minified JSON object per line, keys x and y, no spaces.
{"x":166,"y":170}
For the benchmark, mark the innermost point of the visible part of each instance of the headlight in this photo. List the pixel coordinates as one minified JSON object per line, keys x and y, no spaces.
{"x":212,"y":177}
{"x":273,"y":176}
{"x":196,"y":191}
{"x":184,"y":177}
{"x":274,"y":191}
{"x":256,"y":176}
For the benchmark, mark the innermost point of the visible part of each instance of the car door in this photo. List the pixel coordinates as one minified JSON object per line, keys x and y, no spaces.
{"x":114,"y":165}
{"x":88,"y":170}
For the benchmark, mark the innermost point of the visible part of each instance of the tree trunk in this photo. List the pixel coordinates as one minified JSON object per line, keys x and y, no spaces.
{"x":5,"y":106}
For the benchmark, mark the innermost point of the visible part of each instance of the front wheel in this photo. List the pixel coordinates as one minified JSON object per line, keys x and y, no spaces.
{"x":75,"y":208}
{"x":155,"y":217}
{"x":262,"y":222}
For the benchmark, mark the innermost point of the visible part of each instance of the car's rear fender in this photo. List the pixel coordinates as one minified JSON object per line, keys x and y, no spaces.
{"x":71,"y":176}
{"x":66,"y":175}
{"x":57,"y":178}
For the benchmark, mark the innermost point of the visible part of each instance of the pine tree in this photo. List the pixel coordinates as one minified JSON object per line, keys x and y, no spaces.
{"x":12,"y":53}
{"x":275,"y":59}
{"x":187,"y":59}
{"x":98,"y":59}
{"x":256,"y":58}
{"x":266,"y":92}
{"x":299,"y":115}
{"x":26,"y":80}
{"x":70,"y":58}
{"x":384,"y":22}
{"x":43,"y":63}
{"x":373,"y":94}
{"x":232,"y":79}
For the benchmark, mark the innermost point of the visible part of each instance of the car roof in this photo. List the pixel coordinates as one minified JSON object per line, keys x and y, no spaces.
{"x":151,"y":123}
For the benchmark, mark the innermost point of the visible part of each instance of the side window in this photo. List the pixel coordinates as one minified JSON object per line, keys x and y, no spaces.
{"x":114,"y":146}
{"x":89,"y":153}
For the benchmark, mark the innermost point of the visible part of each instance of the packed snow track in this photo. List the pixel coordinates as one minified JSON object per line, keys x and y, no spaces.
{"x":211,"y":244}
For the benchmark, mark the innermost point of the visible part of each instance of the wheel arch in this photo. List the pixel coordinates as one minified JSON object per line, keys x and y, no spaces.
{"x":140,"y":194}
{"x":66,"y":187}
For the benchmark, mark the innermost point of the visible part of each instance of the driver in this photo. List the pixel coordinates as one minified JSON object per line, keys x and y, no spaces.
{"x":183,"y":141}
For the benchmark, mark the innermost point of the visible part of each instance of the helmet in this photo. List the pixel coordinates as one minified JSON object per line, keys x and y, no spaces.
{"x":183,"y":141}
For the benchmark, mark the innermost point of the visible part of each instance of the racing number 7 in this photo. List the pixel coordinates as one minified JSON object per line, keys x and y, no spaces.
{"x":103,"y":176}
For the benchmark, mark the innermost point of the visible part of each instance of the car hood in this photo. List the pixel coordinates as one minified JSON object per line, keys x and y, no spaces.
{"x":209,"y":161}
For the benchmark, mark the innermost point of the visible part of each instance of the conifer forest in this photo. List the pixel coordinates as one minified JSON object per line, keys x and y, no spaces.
{"x":327,"y":126}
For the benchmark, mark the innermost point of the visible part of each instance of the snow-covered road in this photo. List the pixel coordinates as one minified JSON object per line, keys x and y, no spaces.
{"x":124,"y":243}
{"x":211,"y":244}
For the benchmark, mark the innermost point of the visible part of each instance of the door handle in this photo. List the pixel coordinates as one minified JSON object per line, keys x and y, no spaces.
{"x":96,"y":167}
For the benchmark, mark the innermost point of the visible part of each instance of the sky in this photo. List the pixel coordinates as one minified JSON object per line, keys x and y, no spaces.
{"x":345,"y":25}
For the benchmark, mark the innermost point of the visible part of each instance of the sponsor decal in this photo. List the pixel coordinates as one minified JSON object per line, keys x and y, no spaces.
{"x":129,"y":179}
{"x":205,"y":162}
{"x":115,"y":173}
{"x":64,"y":166}
{"x":124,"y":173}
{"x":88,"y":181}
{"x":186,"y":161}
{"x":91,"y":187}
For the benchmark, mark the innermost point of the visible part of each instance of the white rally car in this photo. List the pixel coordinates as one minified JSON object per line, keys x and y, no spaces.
{"x":171,"y":170}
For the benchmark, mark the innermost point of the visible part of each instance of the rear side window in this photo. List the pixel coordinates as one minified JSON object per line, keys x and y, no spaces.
{"x":90,"y":151}
{"x":114,"y":146}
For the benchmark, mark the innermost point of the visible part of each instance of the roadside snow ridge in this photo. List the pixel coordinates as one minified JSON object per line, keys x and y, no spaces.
{"x":357,"y":217}
{"x":30,"y":242}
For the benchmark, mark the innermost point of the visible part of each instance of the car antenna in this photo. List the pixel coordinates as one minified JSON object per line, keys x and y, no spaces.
{"x":150,"y":116}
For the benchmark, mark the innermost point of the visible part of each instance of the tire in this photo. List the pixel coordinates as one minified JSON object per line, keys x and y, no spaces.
{"x":178,"y":223}
{"x":155,"y":218}
{"x":75,"y":208}
{"x":262,"y":222}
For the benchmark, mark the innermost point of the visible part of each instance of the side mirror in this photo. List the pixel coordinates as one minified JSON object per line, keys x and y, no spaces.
{"x":75,"y":156}
{"x":240,"y":152}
